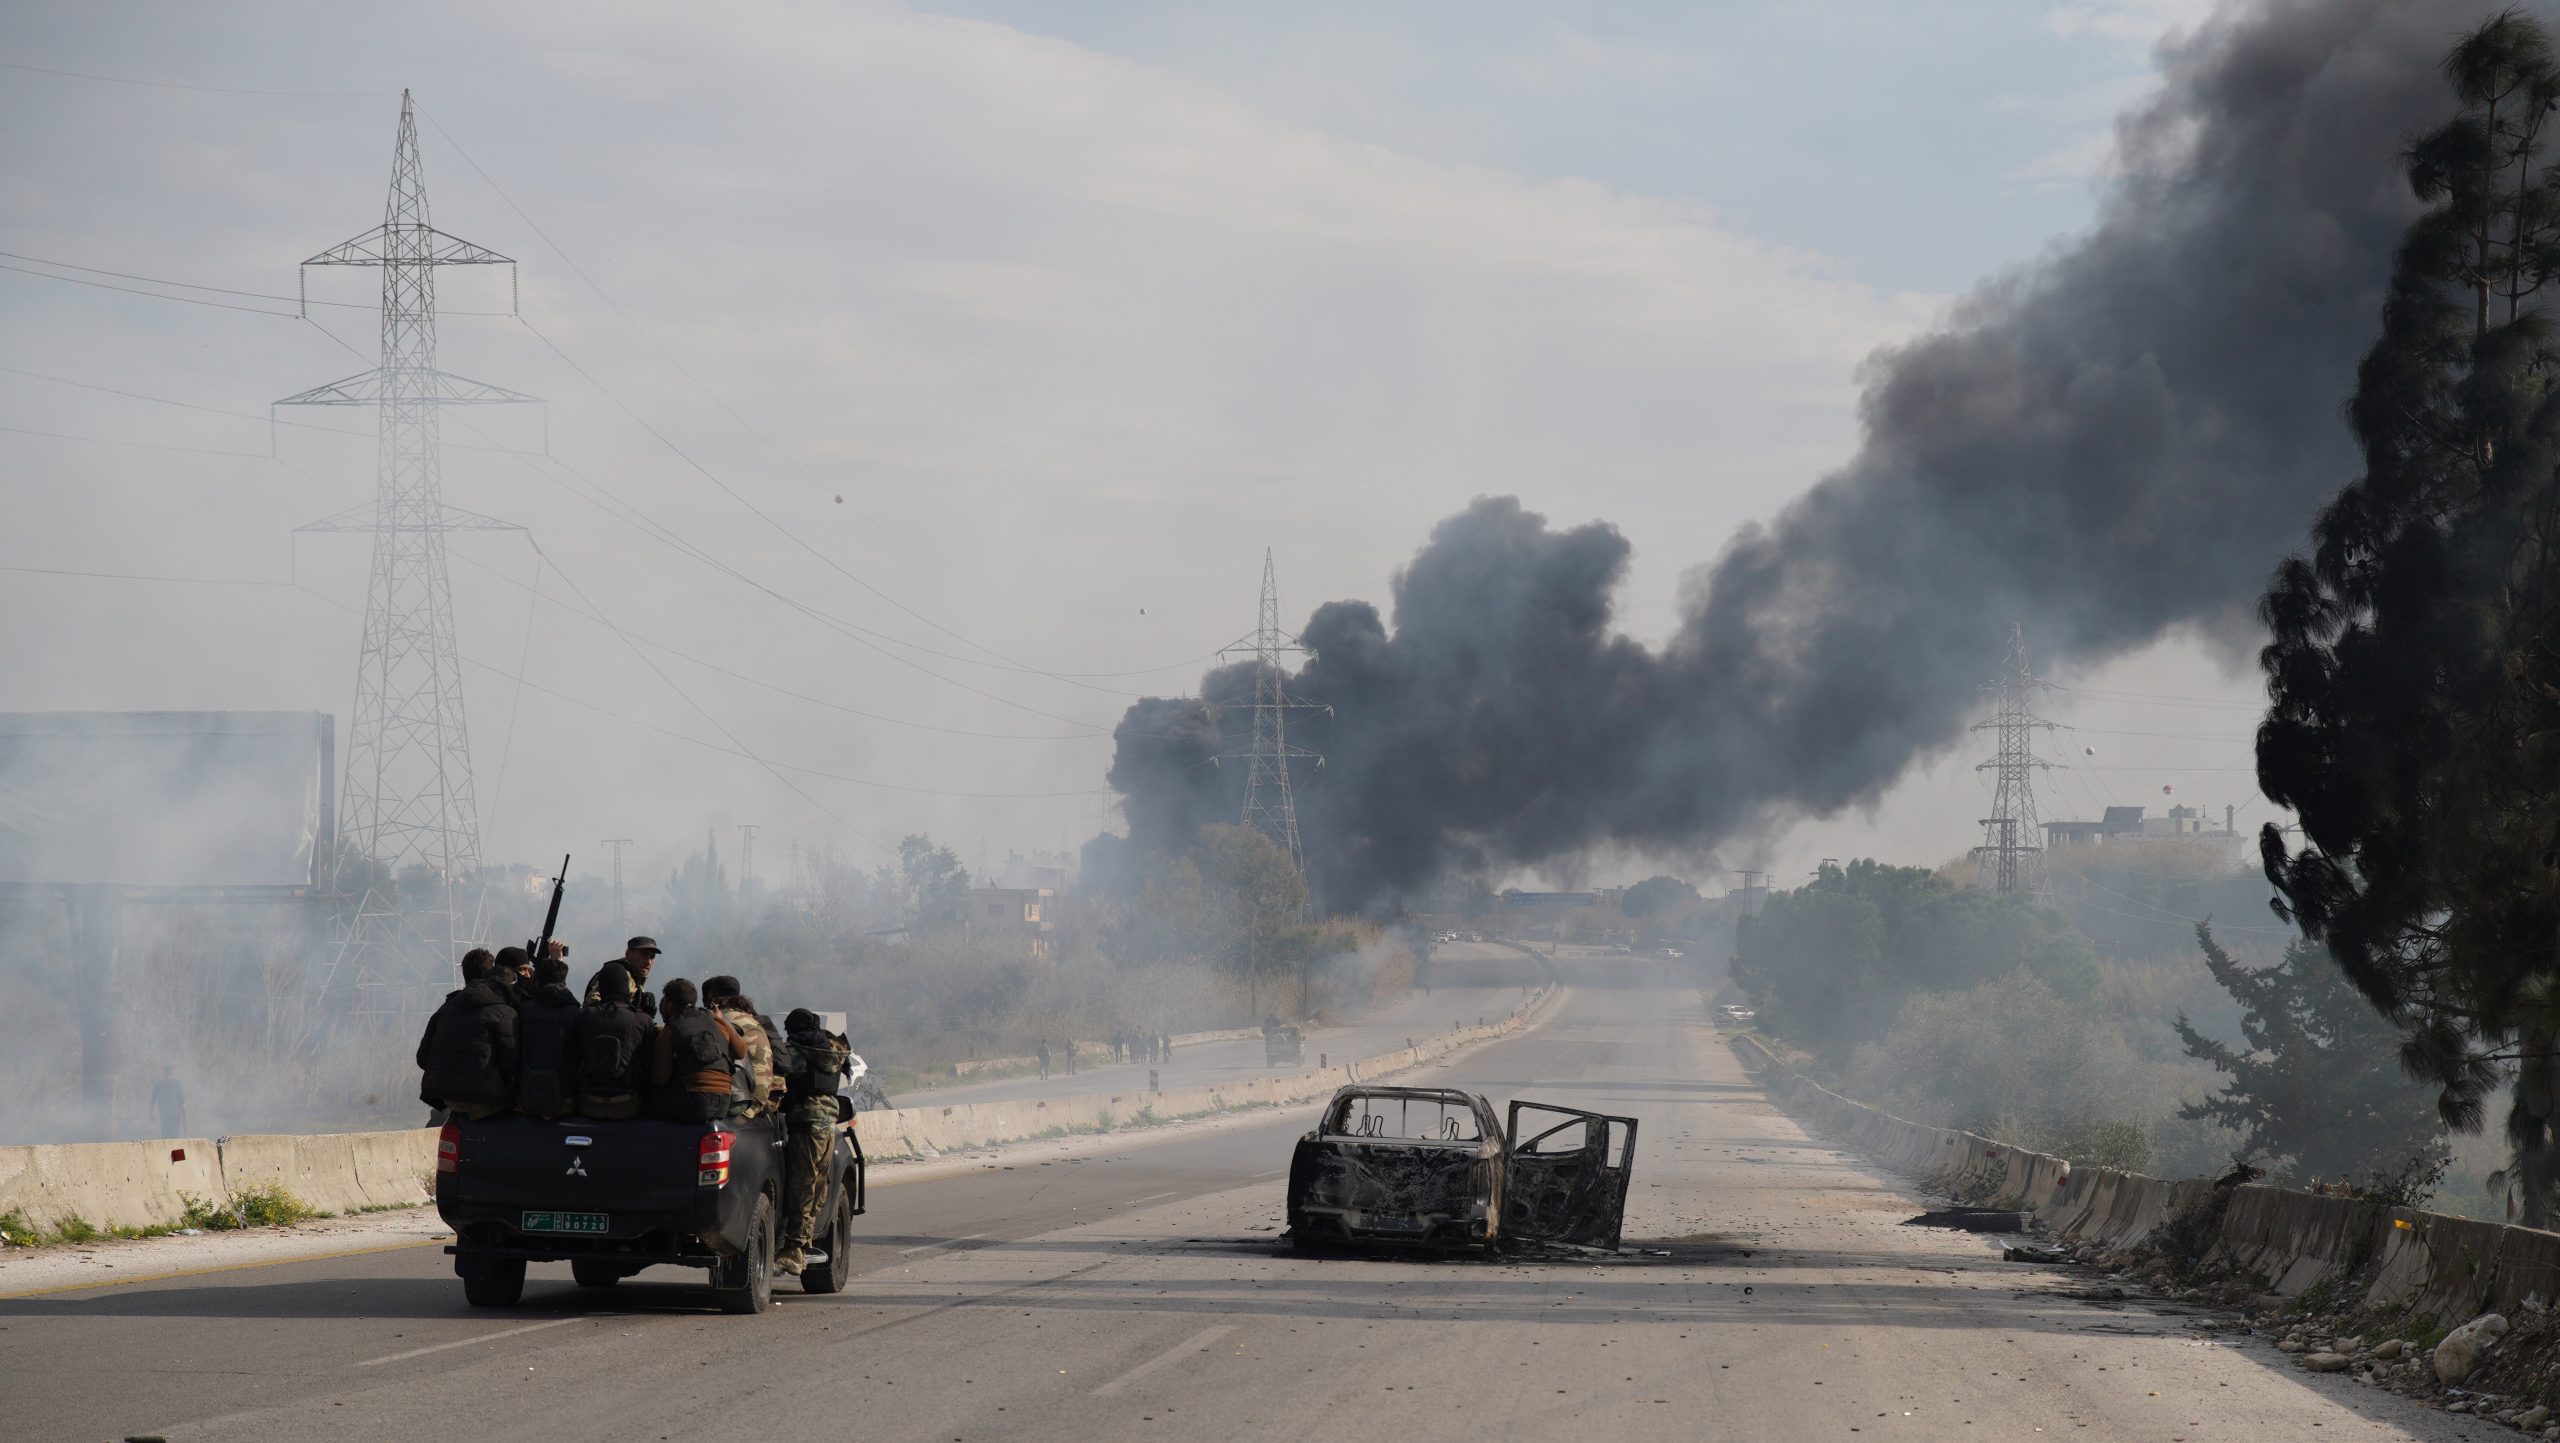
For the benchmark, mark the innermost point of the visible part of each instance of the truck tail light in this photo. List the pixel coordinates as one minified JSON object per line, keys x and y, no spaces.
{"x":711,"y":1166}
{"x":449,"y":1148}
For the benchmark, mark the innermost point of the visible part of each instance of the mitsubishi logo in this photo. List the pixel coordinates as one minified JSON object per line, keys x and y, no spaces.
{"x":578,"y":1166}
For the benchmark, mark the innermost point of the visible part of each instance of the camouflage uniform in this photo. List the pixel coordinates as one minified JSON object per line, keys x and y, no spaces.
{"x":759,"y":1060}
{"x":807,"y":1151}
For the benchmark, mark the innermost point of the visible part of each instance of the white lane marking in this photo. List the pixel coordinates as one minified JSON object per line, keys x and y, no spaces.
{"x":1151,"y":1197}
{"x":1166,"y":1359}
{"x":467,"y":1342}
{"x":945,"y":1243}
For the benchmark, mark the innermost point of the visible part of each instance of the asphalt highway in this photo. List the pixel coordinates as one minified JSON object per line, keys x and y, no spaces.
{"x":1139,"y":1291}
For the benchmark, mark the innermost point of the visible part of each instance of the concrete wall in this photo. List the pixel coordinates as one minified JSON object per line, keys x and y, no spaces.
{"x":2447,"y":1268}
{"x":111,"y":1184}
{"x":1180,"y":1040}
{"x":144,"y":1184}
{"x":927,"y":1130}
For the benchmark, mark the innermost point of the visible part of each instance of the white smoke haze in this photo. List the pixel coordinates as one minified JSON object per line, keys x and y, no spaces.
{"x":1081,"y":331}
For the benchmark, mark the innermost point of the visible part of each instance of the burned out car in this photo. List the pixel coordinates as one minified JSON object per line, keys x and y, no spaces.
{"x":1436,"y":1168}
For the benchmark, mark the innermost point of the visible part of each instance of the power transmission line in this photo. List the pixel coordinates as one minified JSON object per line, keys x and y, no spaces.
{"x":201,"y":89}
{"x":790,"y":534}
{"x":271,"y":420}
{"x":297,"y":301}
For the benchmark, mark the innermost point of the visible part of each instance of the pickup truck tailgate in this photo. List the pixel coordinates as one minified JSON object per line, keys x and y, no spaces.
{"x":612,"y":1179}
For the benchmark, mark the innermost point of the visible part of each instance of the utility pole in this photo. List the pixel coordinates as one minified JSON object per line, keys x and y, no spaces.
{"x":2010,"y":847}
{"x":408,"y":806}
{"x":621,"y":918}
{"x":1269,"y":807}
{"x":1754,"y":890}
{"x":746,"y":858}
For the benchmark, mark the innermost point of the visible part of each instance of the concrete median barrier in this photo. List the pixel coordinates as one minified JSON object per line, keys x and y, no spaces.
{"x":2427,"y":1264}
{"x":108,"y":1184}
{"x":926,"y":1130}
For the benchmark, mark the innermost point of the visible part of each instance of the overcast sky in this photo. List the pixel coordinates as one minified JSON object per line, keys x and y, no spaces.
{"x":1078,"y":308}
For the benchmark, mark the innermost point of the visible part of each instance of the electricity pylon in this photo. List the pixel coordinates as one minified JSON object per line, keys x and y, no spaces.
{"x":1269,"y":806}
{"x":2010,"y":847}
{"x":409,"y":824}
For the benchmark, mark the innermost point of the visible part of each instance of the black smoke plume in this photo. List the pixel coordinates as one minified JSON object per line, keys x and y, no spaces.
{"x":2112,"y":443}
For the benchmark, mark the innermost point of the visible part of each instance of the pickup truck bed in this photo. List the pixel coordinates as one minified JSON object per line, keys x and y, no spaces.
{"x":612,"y":1198}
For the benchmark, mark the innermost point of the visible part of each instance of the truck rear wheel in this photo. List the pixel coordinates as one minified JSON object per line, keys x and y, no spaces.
{"x":596,"y":1272}
{"x":500,"y":1284}
{"x":747,"y":1279}
{"x":831,"y":1275}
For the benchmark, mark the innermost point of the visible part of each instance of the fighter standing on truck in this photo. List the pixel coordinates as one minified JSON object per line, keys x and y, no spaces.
{"x":822,"y":1058}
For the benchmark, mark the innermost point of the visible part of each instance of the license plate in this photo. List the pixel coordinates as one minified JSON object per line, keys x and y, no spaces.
{"x":566,"y":1222}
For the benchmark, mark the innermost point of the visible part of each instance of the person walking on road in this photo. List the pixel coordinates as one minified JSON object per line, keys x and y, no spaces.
{"x":1042,"y":1050}
{"x":1071,"y":1057}
{"x":169,"y":1100}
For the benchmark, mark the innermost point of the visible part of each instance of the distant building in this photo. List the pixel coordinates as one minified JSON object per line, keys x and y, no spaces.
{"x":1039,"y":871}
{"x":2123,"y":825}
{"x":1547,"y":901}
{"x":1007,"y":917}
{"x":520,"y":878}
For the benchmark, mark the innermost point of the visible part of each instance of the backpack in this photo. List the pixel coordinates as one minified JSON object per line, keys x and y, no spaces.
{"x":607,"y":1051}
{"x":544,"y":1028}
{"x":699,"y":1045}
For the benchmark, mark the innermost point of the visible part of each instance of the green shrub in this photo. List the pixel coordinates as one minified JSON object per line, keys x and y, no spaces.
{"x":257,"y":1207}
{"x":76,"y":1229}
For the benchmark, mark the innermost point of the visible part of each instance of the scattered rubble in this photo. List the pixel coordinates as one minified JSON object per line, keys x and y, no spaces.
{"x":1975,"y":1220}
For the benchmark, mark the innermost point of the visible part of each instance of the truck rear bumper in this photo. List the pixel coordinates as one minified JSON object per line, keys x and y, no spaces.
{"x":465,"y":1257}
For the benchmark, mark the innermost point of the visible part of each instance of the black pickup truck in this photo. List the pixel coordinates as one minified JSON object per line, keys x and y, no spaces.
{"x":611,"y":1198}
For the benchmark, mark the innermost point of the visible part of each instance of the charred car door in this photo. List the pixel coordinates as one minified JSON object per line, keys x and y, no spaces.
{"x":1565,"y":1176}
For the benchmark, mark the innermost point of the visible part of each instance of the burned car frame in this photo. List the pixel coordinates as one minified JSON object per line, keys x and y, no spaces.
{"x":1435,"y":1168}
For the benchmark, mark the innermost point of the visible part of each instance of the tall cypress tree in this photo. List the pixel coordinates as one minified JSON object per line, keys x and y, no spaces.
{"x":2414,"y":673}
